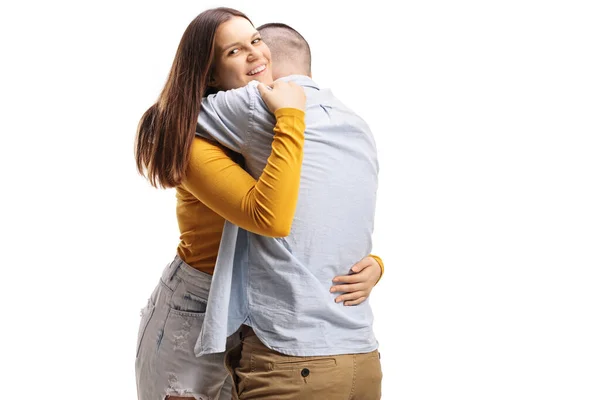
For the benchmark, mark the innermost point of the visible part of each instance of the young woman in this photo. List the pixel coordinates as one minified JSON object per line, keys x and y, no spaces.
{"x":211,"y":187}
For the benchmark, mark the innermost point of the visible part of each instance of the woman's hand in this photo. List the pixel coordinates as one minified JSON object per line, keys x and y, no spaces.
{"x":357,"y":285}
{"x":283,"y":95}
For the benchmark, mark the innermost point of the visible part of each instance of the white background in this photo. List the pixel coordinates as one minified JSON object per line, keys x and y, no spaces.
{"x":487,"y":120}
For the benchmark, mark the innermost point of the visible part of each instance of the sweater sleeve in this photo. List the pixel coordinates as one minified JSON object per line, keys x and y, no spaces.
{"x":265,"y":206}
{"x":380,"y":262}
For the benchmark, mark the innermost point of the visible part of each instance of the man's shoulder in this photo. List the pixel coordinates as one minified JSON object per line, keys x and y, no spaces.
{"x":301,"y":80}
{"x":245,"y":93}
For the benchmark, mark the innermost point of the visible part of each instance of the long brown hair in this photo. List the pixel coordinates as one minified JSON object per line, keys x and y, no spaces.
{"x":166,"y":130}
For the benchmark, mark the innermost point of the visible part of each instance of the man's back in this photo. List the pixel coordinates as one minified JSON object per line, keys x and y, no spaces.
{"x":286,"y":280}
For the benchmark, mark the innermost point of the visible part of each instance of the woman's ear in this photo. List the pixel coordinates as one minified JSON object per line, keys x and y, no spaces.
{"x":212,"y":82}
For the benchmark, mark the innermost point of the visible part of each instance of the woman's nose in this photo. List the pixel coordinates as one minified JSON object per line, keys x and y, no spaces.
{"x":253,"y":54}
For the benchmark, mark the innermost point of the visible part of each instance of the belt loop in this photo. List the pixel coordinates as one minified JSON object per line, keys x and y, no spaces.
{"x":174,"y":267}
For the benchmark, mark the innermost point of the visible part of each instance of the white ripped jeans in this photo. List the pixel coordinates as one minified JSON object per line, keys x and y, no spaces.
{"x":165,"y":362}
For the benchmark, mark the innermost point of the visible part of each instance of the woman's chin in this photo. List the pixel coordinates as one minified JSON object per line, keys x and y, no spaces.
{"x":266,"y":80}
{"x":262,"y":77}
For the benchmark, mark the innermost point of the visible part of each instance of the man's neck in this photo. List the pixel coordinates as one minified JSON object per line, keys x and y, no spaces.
{"x":287,"y":71}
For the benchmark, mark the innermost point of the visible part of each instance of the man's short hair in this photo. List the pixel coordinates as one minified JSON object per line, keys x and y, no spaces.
{"x":286,"y":45}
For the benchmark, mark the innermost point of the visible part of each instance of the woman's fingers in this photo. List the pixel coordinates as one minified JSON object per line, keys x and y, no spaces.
{"x":350,"y":296}
{"x":283,"y":95}
{"x":348,"y":288}
{"x":352,"y":278}
{"x":355,"y":302}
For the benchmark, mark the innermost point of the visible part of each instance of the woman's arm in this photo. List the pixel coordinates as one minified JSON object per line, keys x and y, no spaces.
{"x":265,"y":206}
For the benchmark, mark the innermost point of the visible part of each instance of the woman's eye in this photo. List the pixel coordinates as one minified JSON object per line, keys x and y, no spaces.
{"x":256,"y":40}
{"x":234,"y":51}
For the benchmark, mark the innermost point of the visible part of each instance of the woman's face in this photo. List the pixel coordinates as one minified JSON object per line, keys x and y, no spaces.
{"x":240,"y":56}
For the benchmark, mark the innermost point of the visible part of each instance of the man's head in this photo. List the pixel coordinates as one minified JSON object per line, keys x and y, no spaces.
{"x":290,"y":53}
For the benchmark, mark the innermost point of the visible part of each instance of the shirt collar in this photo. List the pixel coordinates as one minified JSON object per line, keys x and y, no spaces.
{"x":301,"y":80}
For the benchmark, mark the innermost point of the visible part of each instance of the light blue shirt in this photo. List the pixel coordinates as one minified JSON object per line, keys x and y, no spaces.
{"x":280,"y":286}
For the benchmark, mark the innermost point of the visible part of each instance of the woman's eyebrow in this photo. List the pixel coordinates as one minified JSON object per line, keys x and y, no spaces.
{"x":257,"y":33}
{"x":230,"y":45}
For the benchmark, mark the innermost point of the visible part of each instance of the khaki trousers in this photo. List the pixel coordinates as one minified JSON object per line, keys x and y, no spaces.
{"x":261,"y":373}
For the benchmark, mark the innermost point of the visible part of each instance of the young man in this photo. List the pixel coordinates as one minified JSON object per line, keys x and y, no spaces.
{"x":297,"y":341}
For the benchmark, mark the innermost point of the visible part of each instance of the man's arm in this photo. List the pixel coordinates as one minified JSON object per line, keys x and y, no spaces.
{"x":228,"y":116}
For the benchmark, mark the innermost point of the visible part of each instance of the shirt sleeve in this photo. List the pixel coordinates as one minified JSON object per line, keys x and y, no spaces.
{"x":227,"y":116}
{"x":265,"y":206}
